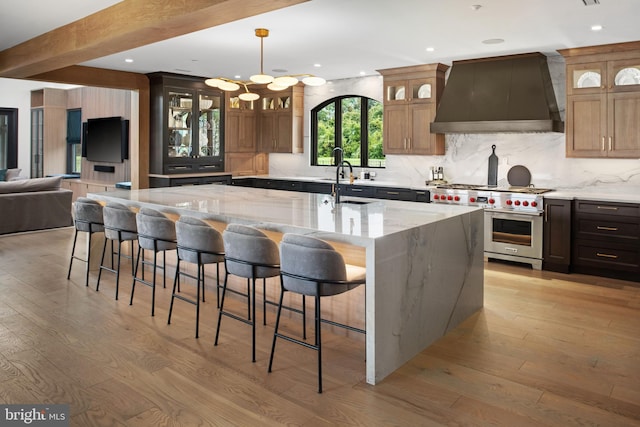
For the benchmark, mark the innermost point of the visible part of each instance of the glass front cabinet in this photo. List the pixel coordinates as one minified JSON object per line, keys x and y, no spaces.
{"x":186,"y":129}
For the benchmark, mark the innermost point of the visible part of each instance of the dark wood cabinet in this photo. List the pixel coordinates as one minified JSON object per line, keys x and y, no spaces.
{"x":606,"y":239}
{"x":186,"y":126}
{"x":156,"y":181}
{"x":556,"y":251}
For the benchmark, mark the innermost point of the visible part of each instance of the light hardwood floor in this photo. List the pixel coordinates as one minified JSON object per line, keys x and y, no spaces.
{"x":546,"y":349}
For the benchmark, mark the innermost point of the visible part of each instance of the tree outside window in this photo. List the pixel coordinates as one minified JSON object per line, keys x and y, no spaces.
{"x":353,"y":123}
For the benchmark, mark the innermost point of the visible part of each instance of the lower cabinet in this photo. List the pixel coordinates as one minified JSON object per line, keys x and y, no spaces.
{"x":556,"y":252}
{"x":178,"y":181}
{"x":606,"y":239}
{"x":353,"y":190}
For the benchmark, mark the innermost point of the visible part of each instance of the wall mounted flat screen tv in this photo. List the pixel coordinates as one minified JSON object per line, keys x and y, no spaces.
{"x":106,"y":139}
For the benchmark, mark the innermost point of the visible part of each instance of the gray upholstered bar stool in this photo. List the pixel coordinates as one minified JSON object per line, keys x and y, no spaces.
{"x":200,"y":244}
{"x":312,"y":267}
{"x":87,"y":215}
{"x":156,"y":233}
{"x":251,"y":254}
{"x":119,"y":226}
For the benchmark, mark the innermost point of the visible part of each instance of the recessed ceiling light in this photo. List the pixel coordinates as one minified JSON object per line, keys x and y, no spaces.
{"x":596,"y":27}
{"x":237,"y":76}
{"x":362,"y":73}
{"x":128,"y":60}
{"x":430,"y":49}
{"x":493,"y":41}
{"x":476,"y":6}
{"x":317,"y":65}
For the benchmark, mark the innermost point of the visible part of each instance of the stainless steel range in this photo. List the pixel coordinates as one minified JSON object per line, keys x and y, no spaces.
{"x":512,"y":221}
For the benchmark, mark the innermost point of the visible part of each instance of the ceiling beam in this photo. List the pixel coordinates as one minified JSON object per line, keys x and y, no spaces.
{"x":124,"y":26}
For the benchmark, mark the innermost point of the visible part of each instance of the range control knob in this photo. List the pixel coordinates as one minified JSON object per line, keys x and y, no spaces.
{"x":525,"y":203}
{"x":534,"y":204}
{"x":492,"y":201}
{"x":449,"y":197}
{"x":509,"y":202}
{"x":456,"y":198}
{"x":472,"y":199}
{"x":517,"y":203}
{"x":436,"y":197}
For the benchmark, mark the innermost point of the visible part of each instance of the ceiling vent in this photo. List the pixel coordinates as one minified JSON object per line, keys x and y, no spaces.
{"x":590,"y":2}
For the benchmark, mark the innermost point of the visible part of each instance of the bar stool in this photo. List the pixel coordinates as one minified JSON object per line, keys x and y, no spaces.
{"x":119,"y":225}
{"x":157,"y":233}
{"x":312,"y":267}
{"x":87,"y":218}
{"x":251,"y":254}
{"x":200,"y":244}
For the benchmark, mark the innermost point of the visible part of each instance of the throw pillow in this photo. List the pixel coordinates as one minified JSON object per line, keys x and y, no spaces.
{"x":3,"y":174}
{"x":13,"y":174}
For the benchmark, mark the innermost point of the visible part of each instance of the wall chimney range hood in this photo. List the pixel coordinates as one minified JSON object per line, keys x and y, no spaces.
{"x":500,"y":94}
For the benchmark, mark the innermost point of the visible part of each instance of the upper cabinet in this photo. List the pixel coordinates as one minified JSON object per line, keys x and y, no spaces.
{"x":186,"y":126}
{"x":603,"y":101}
{"x":411,"y":95}
{"x":280,"y":120}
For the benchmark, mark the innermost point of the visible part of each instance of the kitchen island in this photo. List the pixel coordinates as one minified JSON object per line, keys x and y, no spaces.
{"x":424,"y":262}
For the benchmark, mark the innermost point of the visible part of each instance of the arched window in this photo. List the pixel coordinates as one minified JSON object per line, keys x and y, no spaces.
{"x":353,"y":123}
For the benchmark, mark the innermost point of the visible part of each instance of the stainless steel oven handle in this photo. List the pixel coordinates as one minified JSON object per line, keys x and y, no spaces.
{"x":512,"y":215}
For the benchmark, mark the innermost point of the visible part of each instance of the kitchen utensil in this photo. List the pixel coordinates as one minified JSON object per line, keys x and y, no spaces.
{"x":493,"y":168}
{"x":519,"y":176}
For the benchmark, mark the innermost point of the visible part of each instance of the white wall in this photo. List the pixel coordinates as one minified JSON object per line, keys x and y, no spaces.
{"x":17,"y":94}
{"x":466,"y":157}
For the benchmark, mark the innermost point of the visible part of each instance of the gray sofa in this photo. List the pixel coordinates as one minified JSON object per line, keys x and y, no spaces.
{"x":34,"y":204}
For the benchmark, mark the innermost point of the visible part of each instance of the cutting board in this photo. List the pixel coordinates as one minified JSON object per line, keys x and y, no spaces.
{"x":492,"y":180}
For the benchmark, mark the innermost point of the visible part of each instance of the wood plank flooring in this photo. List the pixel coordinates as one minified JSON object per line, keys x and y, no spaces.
{"x":546,"y":350}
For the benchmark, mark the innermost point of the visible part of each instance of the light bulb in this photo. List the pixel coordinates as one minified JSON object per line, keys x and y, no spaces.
{"x":285,"y":81}
{"x":248,"y":96}
{"x":230,"y":86}
{"x":314,"y":81}
{"x":261,"y":78}
{"x":275,"y":87}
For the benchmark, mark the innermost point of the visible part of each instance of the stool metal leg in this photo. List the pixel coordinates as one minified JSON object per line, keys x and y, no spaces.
{"x":73,"y":251}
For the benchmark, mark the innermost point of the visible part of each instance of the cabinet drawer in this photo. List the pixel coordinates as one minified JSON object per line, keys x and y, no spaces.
{"x":597,"y":228}
{"x":607,"y":208}
{"x":594,"y":254}
{"x":423,"y":196}
{"x":353,"y":190}
{"x":395,"y":194}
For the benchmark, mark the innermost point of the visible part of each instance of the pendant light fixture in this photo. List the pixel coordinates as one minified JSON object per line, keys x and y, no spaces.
{"x":273,"y":83}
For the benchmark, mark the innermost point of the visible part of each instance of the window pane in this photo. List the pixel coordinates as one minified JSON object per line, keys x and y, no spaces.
{"x":351,"y":129}
{"x":326,"y":134}
{"x":375,"y":119}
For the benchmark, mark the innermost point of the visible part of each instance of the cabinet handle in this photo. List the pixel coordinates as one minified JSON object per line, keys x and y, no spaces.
{"x":409,"y":140}
{"x":356,"y":190}
{"x":180,"y":167}
{"x":606,"y":255}
{"x":608,"y":208}
{"x":392,"y":193}
{"x":600,"y":227}
{"x":602,"y":143}
{"x":610,"y":145}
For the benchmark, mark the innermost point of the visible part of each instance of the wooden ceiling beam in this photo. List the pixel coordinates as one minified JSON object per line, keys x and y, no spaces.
{"x":124,"y":26}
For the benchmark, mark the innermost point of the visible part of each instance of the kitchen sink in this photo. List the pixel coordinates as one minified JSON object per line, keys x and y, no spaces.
{"x":355,"y":202}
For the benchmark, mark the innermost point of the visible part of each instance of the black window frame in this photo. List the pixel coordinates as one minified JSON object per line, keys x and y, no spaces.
{"x":364,"y":130}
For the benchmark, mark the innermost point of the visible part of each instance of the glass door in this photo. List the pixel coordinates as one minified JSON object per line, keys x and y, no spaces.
{"x":8,"y":138}
{"x":180,"y":124}
{"x":37,"y":142}
{"x":209,"y":108}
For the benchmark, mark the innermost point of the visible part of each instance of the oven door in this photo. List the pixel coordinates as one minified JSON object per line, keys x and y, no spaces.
{"x":514,"y":234}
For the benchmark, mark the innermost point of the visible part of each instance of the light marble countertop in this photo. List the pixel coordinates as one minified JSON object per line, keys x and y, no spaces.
{"x":354,"y":222}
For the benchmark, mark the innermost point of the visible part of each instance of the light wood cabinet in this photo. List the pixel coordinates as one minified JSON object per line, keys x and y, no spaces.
{"x":411,"y":95}
{"x":48,"y":132}
{"x":280,"y":118}
{"x":603,"y":101}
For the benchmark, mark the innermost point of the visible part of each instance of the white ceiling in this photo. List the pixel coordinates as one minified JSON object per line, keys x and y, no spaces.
{"x":350,"y":37}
